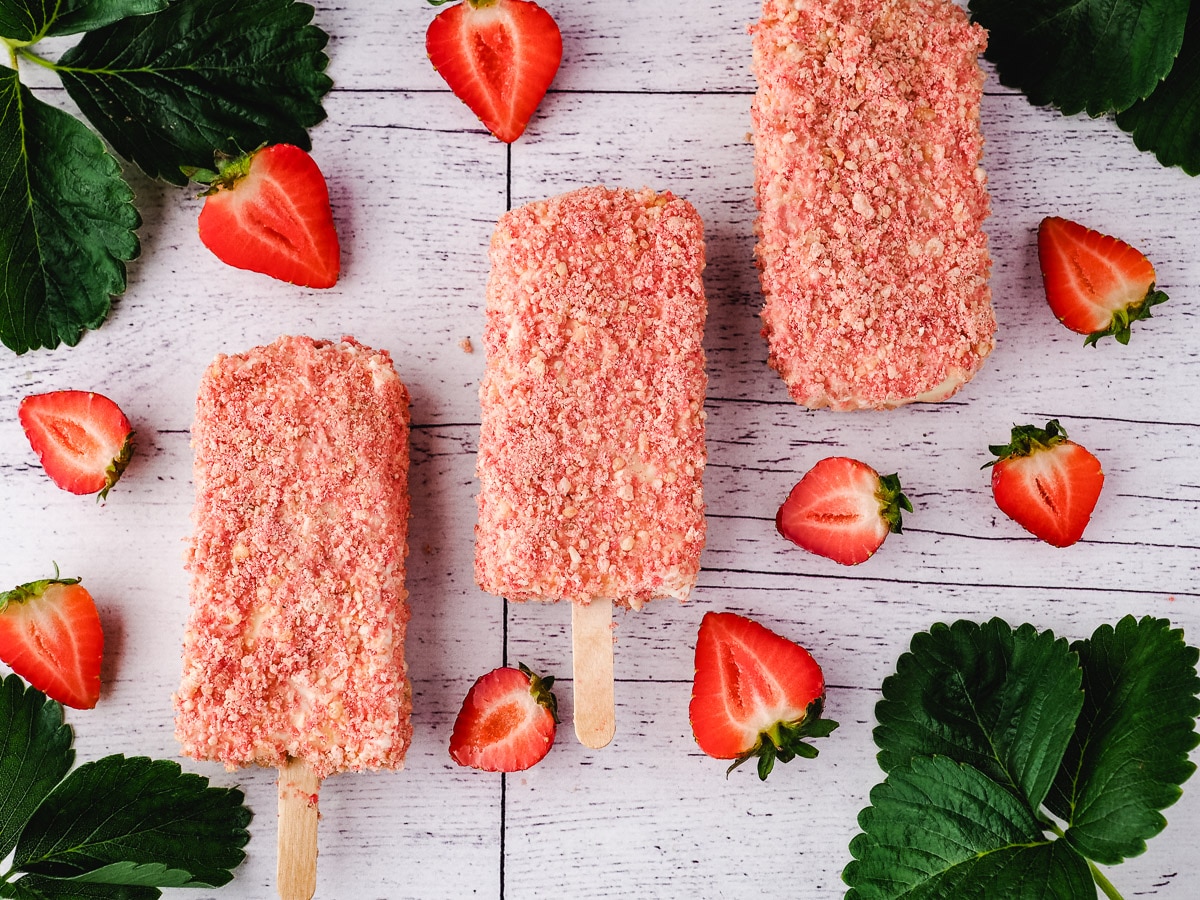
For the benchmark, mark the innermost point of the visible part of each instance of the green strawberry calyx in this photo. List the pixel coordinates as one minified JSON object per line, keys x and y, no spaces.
{"x":784,"y":741}
{"x":1027,"y":440}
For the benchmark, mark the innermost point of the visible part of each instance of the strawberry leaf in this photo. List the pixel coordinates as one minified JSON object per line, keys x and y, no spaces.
{"x":170,"y":89}
{"x":1129,"y":755}
{"x":1005,"y":701}
{"x":37,"y":887}
{"x":940,"y":830}
{"x":119,"y":811}
{"x":1167,"y":123}
{"x":87,"y":15}
{"x":66,"y":223}
{"x":28,"y":21}
{"x":1094,"y":55}
{"x":35,"y":754}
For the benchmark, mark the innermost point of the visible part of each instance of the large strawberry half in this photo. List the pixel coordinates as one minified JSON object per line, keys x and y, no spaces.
{"x":50,"y":635}
{"x":82,"y":439}
{"x":1045,"y":483}
{"x":756,"y":694}
{"x":842,"y":509}
{"x":507,"y":721}
{"x":1096,"y":284}
{"x":268,"y":211}
{"x":498,"y":56}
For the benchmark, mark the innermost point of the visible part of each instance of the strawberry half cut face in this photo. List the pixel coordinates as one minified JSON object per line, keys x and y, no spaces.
{"x":1045,"y":483}
{"x":499,"y":57}
{"x":82,"y":439}
{"x":1095,"y":284}
{"x":50,"y":635}
{"x":756,"y":694}
{"x":507,"y":721}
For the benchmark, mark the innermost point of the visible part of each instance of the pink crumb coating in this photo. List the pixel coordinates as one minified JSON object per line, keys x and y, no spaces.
{"x":591,"y":449}
{"x":295,"y":645}
{"x":871,"y":199}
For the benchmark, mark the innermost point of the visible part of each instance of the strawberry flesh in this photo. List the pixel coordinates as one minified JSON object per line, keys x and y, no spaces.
{"x":843,"y":510}
{"x":82,"y":439}
{"x":268,"y":211}
{"x":756,"y":694}
{"x":50,"y":635}
{"x":1096,"y":284}
{"x":499,"y":57}
{"x":1046,"y":484}
{"x":507,"y":721}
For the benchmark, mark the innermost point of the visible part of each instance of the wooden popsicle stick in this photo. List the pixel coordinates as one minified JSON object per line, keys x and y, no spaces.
{"x":296,"y":874}
{"x":592,"y":661}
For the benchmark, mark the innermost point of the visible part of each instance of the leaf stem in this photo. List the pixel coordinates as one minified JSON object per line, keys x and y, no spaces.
{"x":1103,"y":883}
{"x":34,"y":58}
{"x":12,"y":54}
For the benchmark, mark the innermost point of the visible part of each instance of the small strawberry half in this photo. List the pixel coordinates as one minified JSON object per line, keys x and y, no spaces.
{"x":842,"y":509}
{"x":507,"y":721}
{"x":1096,"y":285}
{"x":50,"y":635}
{"x":498,"y":56}
{"x":82,"y":439}
{"x":268,"y":211}
{"x":756,"y":694}
{"x":1045,"y":483}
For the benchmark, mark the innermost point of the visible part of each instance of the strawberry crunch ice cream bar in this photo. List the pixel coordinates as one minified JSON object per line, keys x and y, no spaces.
{"x":295,"y":647}
{"x":871,"y":199}
{"x":591,"y":449}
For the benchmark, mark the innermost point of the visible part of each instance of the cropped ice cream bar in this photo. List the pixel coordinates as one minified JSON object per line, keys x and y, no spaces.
{"x":591,"y":449}
{"x":871,"y":199}
{"x":295,"y":648}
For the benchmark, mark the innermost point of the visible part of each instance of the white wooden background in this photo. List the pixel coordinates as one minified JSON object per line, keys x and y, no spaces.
{"x":659,"y":97}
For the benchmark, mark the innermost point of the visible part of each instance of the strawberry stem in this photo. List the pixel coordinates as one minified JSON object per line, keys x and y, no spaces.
{"x":1123,"y":318}
{"x":892,"y":501}
{"x":1026,"y":440}
{"x":1103,"y":883}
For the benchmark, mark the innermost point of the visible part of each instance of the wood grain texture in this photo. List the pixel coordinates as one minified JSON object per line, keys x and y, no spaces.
{"x":643,"y":98}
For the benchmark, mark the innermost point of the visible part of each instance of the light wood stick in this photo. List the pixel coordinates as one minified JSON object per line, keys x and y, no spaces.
{"x":296,"y":875}
{"x":592,"y":660}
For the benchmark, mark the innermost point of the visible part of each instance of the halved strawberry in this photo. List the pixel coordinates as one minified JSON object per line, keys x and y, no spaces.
{"x":498,"y":56}
{"x":1045,"y":483}
{"x":50,"y":635}
{"x":268,"y":211}
{"x":842,"y":509}
{"x":1097,"y":285}
{"x":507,"y":721}
{"x":82,"y":439}
{"x":756,"y":694}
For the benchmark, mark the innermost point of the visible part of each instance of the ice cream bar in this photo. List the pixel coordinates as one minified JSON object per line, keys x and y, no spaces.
{"x":871,"y":199}
{"x":294,"y":653}
{"x":591,"y":447}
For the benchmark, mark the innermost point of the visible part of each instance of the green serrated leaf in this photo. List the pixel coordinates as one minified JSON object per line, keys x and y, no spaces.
{"x":136,"y":810}
{"x":35,"y":754}
{"x":169,"y":90}
{"x":1004,"y":701}
{"x":1130,"y":752}
{"x":38,"y":887}
{"x":87,"y":15}
{"x":1094,"y":55}
{"x":137,"y":874}
{"x":939,"y":830}
{"x":1167,"y":123}
{"x":67,"y":223}
{"x":25,"y":21}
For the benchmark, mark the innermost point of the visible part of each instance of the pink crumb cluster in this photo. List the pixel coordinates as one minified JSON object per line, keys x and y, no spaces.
{"x":591,"y":450}
{"x":295,"y":646}
{"x":871,"y":199}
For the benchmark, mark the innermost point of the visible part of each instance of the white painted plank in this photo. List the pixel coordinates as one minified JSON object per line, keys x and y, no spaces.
{"x":417,"y":185}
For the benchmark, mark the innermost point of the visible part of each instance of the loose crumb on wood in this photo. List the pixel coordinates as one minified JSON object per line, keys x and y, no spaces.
{"x":467,"y":346}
